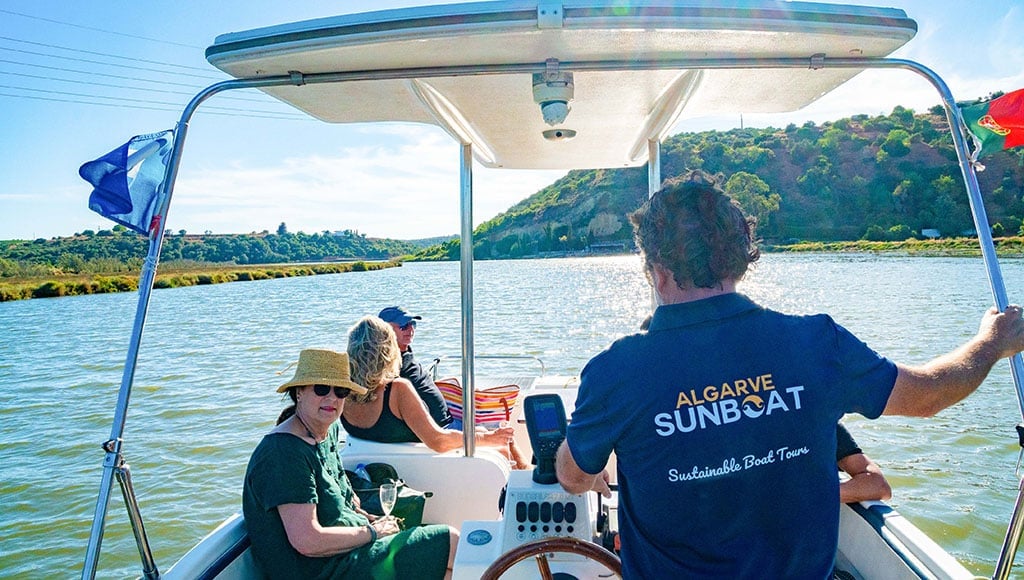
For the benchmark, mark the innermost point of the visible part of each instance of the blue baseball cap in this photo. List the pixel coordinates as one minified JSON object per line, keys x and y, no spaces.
{"x":398,"y":315}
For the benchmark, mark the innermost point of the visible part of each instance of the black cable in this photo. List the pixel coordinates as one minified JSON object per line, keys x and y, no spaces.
{"x":100,"y":29}
{"x":130,"y":88}
{"x":146,"y":101}
{"x":199,"y":111}
{"x":83,"y":51}
{"x":127,"y":66}
{"x":81,"y":72}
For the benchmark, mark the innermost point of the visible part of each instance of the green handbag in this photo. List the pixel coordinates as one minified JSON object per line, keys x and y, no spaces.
{"x":409,"y":505}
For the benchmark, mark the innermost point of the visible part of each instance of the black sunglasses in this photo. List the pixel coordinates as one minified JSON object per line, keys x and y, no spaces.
{"x":406,"y":326}
{"x":322,"y":390}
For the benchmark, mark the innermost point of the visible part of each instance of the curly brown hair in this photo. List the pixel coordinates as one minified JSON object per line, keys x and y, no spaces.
{"x":693,"y":229}
{"x":374,"y":356}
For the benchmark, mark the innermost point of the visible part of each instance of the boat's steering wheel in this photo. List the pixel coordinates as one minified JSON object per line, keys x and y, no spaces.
{"x":541,"y":548}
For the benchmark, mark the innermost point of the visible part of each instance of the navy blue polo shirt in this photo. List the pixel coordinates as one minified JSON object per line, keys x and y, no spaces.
{"x":845,"y":444}
{"x":723,"y":420}
{"x":425,"y":388}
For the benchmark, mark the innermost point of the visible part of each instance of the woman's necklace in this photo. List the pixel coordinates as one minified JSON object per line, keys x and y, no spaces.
{"x":308,"y":430}
{"x":323,"y":460}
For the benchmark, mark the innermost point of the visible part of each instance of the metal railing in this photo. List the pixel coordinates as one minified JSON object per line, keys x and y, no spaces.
{"x":433,"y":366}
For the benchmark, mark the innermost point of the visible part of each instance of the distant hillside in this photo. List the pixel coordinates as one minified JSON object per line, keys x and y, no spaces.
{"x":434,"y":241}
{"x":887,"y":177}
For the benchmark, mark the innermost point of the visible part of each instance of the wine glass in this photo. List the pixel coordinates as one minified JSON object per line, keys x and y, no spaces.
{"x":508,"y":446}
{"x":388,"y":496}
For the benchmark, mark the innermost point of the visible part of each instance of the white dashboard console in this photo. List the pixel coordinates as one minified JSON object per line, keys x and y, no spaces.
{"x":533,"y":511}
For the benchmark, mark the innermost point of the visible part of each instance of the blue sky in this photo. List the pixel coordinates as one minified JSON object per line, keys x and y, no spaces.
{"x":77,"y":79}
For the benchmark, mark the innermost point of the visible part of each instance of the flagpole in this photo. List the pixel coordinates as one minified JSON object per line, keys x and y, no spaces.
{"x":114,"y":464}
{"x":1015,"y":531}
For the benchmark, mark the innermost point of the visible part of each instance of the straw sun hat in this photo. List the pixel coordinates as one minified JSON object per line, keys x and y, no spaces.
{"x":322,"y":367}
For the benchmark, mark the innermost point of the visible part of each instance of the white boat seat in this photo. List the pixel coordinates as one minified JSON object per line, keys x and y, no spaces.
{"x":464,"y":488}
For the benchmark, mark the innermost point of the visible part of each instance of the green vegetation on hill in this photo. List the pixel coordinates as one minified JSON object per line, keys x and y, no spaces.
{"x":883,"y":178}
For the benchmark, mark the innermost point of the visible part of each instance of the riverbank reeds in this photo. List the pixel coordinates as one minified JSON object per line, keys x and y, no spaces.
{"x":174,"y":275}
{"x":1010,"y":247}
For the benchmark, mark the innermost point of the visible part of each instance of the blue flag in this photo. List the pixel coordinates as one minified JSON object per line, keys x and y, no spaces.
{"x":127,"y":181}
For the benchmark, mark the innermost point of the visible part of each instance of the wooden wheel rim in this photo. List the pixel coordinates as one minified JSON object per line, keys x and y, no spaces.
{"x":561,"y":545}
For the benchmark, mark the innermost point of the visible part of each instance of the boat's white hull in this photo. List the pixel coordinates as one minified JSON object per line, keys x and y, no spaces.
{"x":876,"y":542}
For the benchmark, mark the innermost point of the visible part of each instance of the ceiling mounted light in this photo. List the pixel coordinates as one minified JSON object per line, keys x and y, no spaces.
{"x":553,"y":91}
{"x":558,"y":134}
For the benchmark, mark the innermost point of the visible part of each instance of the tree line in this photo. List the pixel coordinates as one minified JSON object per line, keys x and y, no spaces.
{"x":120,"y":250}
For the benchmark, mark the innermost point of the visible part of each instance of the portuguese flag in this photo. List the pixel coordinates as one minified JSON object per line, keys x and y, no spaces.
{"x":997,"y":124}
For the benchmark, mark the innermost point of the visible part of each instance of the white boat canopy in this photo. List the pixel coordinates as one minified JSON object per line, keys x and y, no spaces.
{"x":612,"y":112}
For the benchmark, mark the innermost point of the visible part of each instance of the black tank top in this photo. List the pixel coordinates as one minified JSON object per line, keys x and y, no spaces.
{"x":387,"y":429}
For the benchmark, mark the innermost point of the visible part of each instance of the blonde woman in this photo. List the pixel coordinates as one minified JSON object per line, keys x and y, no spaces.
{"x":391,"y":411}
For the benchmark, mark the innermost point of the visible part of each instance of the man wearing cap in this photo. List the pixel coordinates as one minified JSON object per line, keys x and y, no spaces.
{"x":404,"y":324}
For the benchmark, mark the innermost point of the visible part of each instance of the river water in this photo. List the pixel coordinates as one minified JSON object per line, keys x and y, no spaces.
{"x":204,"y":388}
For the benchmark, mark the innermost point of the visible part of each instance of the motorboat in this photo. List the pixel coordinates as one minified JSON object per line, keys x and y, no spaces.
{"x":548,"y":84}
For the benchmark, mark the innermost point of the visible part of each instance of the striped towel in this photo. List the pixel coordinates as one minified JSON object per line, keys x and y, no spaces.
{"x":492,"y":405}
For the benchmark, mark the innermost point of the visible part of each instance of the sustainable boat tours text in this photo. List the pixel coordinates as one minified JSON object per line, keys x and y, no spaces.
{"x":732,"y":465}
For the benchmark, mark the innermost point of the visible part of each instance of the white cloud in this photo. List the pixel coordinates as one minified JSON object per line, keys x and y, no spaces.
{"x":406,"y":188}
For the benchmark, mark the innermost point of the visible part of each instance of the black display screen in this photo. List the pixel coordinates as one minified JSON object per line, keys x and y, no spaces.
{"x":547,"y":420}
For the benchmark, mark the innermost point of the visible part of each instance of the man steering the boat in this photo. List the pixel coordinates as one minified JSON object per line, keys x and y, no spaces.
{"x":404,"y":324}
{"x":723,"y":415}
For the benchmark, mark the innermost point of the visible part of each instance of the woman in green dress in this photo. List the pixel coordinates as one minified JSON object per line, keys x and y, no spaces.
{"x":302,"y":516}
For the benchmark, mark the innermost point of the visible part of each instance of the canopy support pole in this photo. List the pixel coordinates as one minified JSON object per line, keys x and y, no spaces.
{"x":1013,"y":535}
{"x":988,"y":252}
{"x":653,"y":185}
{"x":958,"y":130}
{"x":466,"y":270}
{"x":653,"y":167}
{"x":1011,"y":542}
